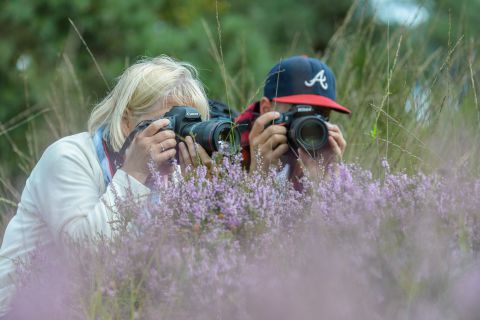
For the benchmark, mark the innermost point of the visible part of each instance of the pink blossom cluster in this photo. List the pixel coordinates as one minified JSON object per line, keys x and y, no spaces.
{"x":221,"y":243}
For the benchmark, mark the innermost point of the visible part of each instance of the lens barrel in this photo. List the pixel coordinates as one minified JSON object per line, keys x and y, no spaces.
{"x":214,"y":135}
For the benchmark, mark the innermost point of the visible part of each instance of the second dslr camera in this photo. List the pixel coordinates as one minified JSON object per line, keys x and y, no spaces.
{"x":306,"y":128}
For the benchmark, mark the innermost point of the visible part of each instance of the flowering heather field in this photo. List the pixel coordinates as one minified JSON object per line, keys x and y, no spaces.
{"x":221,"y":244}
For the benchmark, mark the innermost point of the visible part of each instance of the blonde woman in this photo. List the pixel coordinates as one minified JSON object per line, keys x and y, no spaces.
{"x":71,"y":192}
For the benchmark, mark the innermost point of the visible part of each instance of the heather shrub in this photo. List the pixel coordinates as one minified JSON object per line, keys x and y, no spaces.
{"x":223,"y":244}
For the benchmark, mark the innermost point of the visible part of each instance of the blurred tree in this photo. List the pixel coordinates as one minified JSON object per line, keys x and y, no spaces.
{"x":295,"y":26}
{"x":453,"y":19}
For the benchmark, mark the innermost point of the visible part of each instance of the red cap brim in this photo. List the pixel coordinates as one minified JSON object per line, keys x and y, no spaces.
{"x":314,"y":100}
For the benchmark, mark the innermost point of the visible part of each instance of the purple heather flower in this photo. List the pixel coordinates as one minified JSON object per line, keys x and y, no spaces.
{"x":228,"y":244}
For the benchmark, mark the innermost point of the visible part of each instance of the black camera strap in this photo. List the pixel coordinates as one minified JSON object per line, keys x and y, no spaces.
{"x":119,"y":157}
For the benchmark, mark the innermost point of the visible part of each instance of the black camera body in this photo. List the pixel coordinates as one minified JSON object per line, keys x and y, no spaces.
{"x":213,"y":135}
{"x":306,"y":128}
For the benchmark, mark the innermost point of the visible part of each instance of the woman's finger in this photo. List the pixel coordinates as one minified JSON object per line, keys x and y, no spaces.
{"x":154,"y":127}
{"x":166,"y":144}
{"x":162,"y":135}
{"x":184,"y":155}
{"x":161,"y":148}
{"x":204,"y":157}
{"x":160,"y":158}
{"x":192,"y":150}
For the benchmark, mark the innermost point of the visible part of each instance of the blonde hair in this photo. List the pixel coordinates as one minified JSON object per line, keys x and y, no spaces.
{"x":141,"y":87}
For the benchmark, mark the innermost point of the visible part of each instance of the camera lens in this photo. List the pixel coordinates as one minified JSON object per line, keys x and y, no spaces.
{"x":310,"y":133}
{"x":215,"y":135}
{"x":226,"y":140}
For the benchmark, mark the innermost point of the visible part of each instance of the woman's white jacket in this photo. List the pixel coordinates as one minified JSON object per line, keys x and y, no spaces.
{"x":64,"y":198}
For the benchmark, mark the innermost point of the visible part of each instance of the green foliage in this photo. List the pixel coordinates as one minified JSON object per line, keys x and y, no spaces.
{"x":453,"y":19}
{"x":416,"y":107}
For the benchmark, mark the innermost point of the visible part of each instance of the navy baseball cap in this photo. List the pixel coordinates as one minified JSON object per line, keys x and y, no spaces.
{"x":302,"y":80}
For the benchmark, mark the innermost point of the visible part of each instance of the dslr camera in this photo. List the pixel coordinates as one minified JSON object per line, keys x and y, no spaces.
{"x":306,"y":128}
{"x":213,"y":135}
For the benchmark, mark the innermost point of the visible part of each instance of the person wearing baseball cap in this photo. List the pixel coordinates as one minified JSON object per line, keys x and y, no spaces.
{"x":298,"y":80}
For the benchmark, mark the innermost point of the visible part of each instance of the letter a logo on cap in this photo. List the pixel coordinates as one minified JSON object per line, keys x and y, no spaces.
{"x":320,"y":78}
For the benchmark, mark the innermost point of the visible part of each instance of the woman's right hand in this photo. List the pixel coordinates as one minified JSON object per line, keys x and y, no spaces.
{"x":150,"y":144}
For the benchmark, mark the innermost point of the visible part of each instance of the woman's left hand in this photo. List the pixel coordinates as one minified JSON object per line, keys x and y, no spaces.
{"x":192,"y":154}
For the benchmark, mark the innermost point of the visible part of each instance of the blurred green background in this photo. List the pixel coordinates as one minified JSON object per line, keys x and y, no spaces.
{"x":45,"y":66}
{"x":408,"y":69}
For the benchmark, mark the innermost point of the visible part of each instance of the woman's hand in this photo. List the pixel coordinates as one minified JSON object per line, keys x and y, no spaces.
{"x":150,"y":144}
{"x":192,"y":154}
